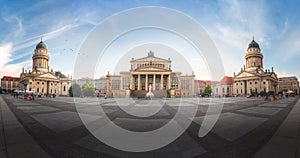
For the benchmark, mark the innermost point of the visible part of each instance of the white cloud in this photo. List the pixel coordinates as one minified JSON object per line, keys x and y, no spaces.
{"x":5,"y":54}
{"x":20,"y":31}
{"x":33,"y":40}
{"x":5,"y":58}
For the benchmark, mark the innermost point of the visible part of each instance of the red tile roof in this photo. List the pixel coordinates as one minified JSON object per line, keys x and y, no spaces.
{"x":9,"y":77}
{"x":226,"y":80}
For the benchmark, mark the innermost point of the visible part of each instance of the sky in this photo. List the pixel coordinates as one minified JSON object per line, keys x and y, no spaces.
{"x":64,"y":25}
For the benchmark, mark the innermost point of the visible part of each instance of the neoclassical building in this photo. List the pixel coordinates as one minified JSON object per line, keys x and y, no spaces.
{"x":288,"y":84}
{"x":9,"y":83}
{"x":253,"y":77}
{"x":223,"y":88}
{"x":40,"y":79}
{"x":153,"y":71}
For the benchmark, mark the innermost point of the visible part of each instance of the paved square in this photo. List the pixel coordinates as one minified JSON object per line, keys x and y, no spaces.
{"x":37,"y":109}
{"x":140,"y":124}
{"x":280,"y":105}
{"x":24,"y":103}
{"x":62,"y":121}
{"x":261,"y":110}
{"x":232,"y":126}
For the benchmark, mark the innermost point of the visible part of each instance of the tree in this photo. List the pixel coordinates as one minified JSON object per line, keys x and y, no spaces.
{"x":271,"y":93}
{"x":75,"y":91}
{"x":254,"y":93}
{"x":88,"y":89}
{"x":208,"y":90}
{"x":263,"y":93}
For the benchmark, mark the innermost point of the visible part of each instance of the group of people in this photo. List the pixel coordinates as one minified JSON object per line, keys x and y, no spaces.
{"x":31,"y":96}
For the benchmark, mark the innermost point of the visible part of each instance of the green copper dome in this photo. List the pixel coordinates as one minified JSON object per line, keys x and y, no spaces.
{"x":253,"y":44}
{"x":41,"y":45}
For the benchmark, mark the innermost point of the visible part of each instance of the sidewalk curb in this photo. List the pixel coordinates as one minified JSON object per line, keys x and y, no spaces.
{"x":284,"y":142}
{"x":18,"y":143}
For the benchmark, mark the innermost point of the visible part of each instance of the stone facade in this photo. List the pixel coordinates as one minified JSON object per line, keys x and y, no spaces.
{"x":200,"y":85}
{"x":253,"y":77}
{"x":40,"y":79}
{"x":224,"y":87}
{"x":152,"y":71}
{"x":9,"y":83}
{"x":289,"y":84}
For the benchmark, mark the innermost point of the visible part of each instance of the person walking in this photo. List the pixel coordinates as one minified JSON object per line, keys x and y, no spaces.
{"x":32,"y":96}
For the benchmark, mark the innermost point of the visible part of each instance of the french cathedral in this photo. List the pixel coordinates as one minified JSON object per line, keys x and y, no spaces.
{"x":42,"y":80}
{"x":253,"y":77}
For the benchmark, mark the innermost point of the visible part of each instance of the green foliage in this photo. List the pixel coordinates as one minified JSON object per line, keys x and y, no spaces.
{"x":88,"y":89}
{"x":254,"y":93}
{"x":263,"y":93}
{"x":75,"y":91}
{"x":208,"y":90}
{"x":271,"y":93}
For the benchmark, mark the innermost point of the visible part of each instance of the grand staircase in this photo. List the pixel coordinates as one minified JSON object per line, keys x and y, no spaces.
{"x":142,"y":94}
{"x":160,"y":93}
{"x":138,"y":94}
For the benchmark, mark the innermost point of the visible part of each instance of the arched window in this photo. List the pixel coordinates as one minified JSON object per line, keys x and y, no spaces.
{"x":64,"y":88}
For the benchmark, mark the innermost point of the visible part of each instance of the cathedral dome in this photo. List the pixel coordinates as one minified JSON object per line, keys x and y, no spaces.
{"x":41,"y":45}
{"x":253,"y":44}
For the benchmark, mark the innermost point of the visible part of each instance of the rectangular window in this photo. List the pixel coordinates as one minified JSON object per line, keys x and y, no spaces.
{"x":115,"y":85}
{"x":126,"y":82}
{"x":157,"y":80}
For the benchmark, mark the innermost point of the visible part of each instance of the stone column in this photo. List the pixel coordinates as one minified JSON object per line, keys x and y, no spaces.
{"x":139,"y":82}
{"x":153,"y":85}
{"x":146,"y":85}
{"x":161,"y":81}
{"x":121,"y":83}
{"x":169,"y":82}
{"x":131,"y":82}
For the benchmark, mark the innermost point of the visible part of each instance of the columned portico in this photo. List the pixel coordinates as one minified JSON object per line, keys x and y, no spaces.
{"x":146,"y":86}
{"x":161,"y":81}
{"x":153,"y":84}
{"x":142,"y":81}
{"x":148,"y":71}
{"x":139,"y":82}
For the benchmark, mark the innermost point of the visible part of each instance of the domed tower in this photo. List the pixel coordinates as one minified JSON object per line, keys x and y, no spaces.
{"x":40,"y":58}
{"x":254,"y":57}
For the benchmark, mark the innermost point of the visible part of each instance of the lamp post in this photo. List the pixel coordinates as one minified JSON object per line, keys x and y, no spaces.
{"x":25,"y":83}
{"x":274,"y":84}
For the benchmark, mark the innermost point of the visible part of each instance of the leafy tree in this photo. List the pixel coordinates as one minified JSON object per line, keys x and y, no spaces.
{"x":75,"y":91}
{"x":88,"y":89}
{"x":254,"y":93}
{"x":263,"y":93}
{"x":208,"y":90}
{"x":271,"y":93}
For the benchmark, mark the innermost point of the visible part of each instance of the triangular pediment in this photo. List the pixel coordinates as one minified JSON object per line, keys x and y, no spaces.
{"x":150,"y":58}
{"x":245,"y":74}
{"x":150,"y":69}
{"x":47,"y":75}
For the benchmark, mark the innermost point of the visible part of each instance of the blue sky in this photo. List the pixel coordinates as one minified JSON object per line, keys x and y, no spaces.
{"x":231,"y":24}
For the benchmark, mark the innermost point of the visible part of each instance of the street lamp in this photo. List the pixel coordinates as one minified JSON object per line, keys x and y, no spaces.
{"x":25,"y":83}
{"x":274,"y":84}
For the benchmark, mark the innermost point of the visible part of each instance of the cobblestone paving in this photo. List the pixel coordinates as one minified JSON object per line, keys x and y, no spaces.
{"x":244,"y":125}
